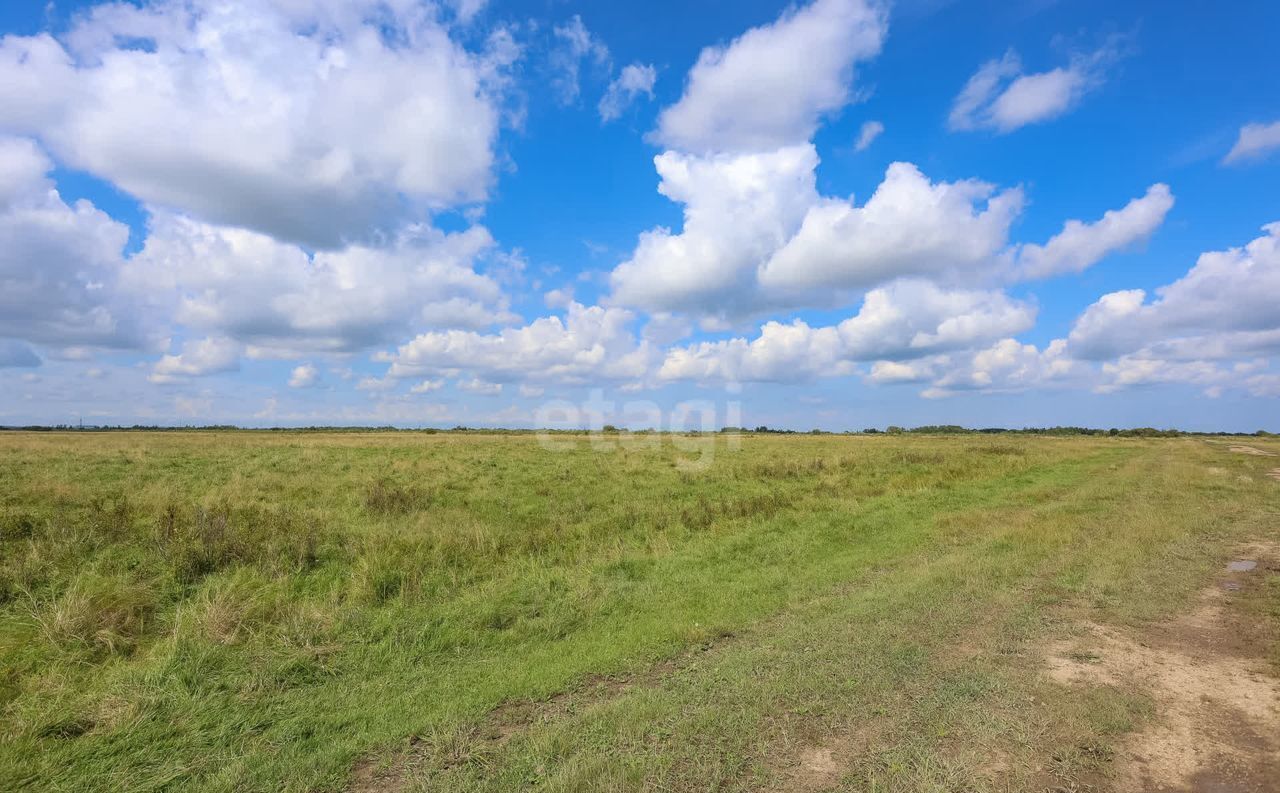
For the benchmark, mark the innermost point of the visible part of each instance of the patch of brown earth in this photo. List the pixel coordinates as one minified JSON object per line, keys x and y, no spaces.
{"x":383,"y":775}
{"x":1274,"y":473}
{"x":818,"y":769}
{"x":820,"y":766}
{"x":1251,"y":450}
{"x":1217,"y":723}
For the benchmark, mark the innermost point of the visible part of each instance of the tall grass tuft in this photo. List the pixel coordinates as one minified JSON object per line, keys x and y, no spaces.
{"x":201,"y":541}
{"x":102,"y":615}
{"x":384,"y":497}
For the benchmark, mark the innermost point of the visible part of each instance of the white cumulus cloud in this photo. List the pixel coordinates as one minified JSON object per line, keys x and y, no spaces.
{"x":1001,"y":97}
{"x":905,"y":321}
{"x":909,"y":226}
{"x":589,"y":343}
{"x":280,"y":299}
{"x":770,"y":86}
{"x":739,"y":208}
{"x":60,"y":264}
{"x":304,"y":376}
{"x":312,"y":121}
{"x":1080,"y":245}
{"x":197,"y":359}
{"x":1225,"y":306}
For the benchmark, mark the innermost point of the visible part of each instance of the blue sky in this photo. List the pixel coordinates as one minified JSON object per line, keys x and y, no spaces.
{"x":837,"y":214}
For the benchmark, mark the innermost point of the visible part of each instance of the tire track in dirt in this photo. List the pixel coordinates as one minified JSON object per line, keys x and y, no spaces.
{"x":1217,"y":724}
{"x":1252,"y":450}
{"x":514,"y":718}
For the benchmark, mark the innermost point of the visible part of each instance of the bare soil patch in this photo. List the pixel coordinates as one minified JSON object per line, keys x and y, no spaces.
{"x":820,"y":765}
{"x":1217,"y":722}
{"x":1251,"y":450}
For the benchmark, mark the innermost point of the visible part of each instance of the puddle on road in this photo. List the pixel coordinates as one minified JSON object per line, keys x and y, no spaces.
{"x":1241,"y":566}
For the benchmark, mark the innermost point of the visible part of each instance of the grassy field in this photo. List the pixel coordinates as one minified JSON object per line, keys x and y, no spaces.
{"x":254,"y":611}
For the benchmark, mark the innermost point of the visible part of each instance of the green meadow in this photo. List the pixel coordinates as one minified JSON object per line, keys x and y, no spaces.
{"x":252,"y":611}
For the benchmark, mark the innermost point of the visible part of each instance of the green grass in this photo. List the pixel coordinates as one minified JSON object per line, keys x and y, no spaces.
{"x":245,"y":611}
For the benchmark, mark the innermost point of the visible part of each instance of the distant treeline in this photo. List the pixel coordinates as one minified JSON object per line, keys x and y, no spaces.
{"x":927,"y":429}
{"x":955,"y":429}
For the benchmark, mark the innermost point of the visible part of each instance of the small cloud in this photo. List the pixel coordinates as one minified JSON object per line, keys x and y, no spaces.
{"x":869,"y":132}
{"x":376,"y":384}
{"x":635,"y":80}
{"x":576,"y":44}
{"x":427,"y":386}
{"x":198,"y":359}
{"x":1001,"y":97}
{"x":559,"y":298}
{"x":481,"y":387}
{"x":595,"y":248}
{"x":466,"y":10}
{"x":304,"y":376}
{"x":1255,"y":142}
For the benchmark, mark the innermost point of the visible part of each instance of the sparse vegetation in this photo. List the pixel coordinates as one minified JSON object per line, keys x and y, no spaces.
{"x":469,"y":611}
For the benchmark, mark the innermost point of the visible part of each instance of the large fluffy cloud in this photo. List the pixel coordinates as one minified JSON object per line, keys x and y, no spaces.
{"x":770,"y":86}
{"x":780,"y":353}
{"x":197,"y":359}
{"x":904,"y":321}
{"x":757,"y":236}
{"x":309,"y":120}
{"x":1007,"y":365}
{"x":909,"y":226}
{"x":284,"y":301}
{"x":739,"y":208}
{"x":911,"y":318}
{"x":1080,"y":245}
{"x":1215,"y":327}
{"x":1226,"y":303}
{"x":589,"y":343}
{"x":60,"y":264}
